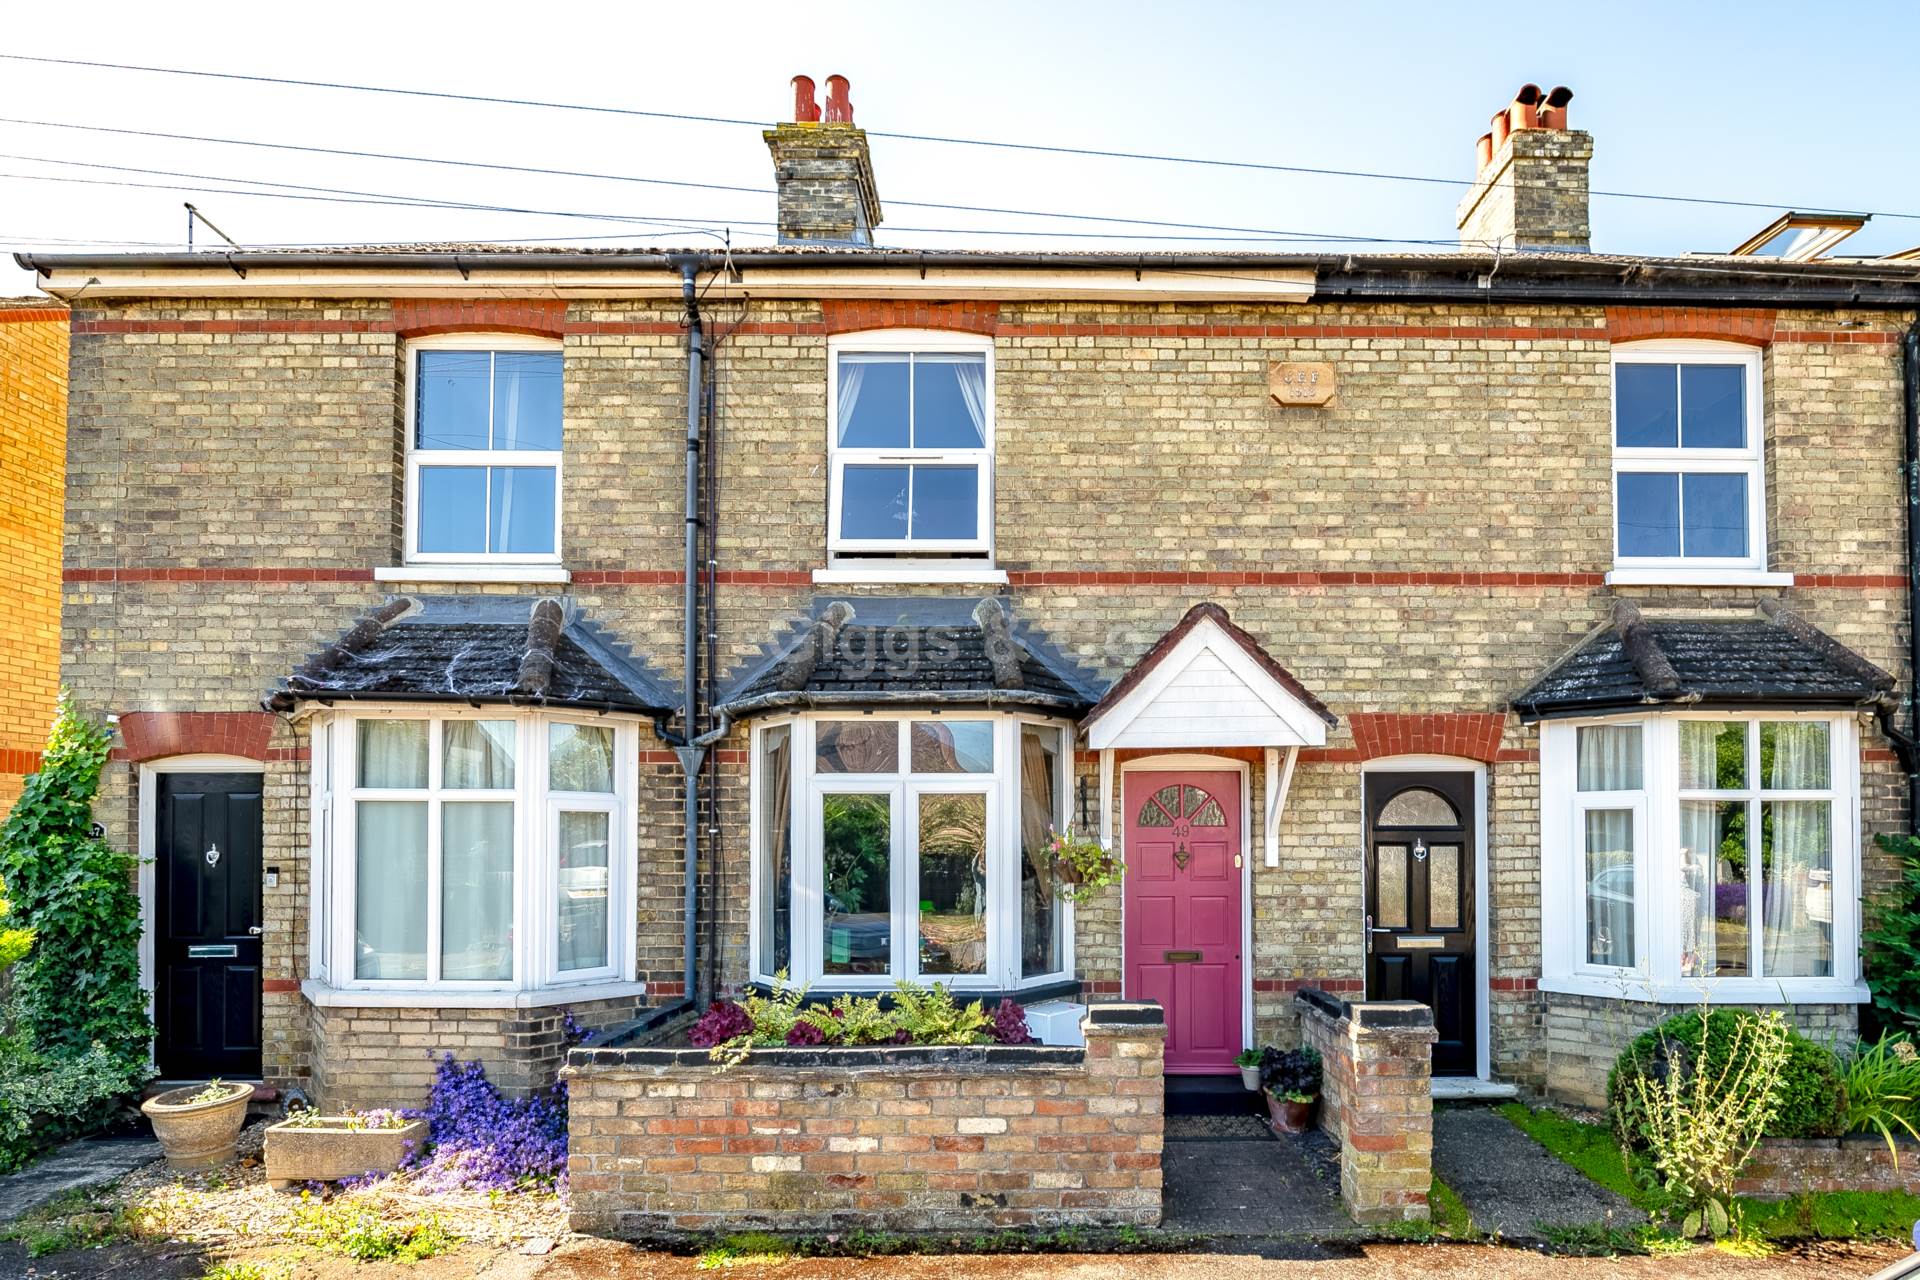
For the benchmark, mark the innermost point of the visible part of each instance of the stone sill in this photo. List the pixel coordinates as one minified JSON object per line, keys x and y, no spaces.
{"x":320,"y":995}
{"x":1760,"y":991}
{"x":1697,"y":578}
{"x":907,"y":572}
{"x":527,"y":574}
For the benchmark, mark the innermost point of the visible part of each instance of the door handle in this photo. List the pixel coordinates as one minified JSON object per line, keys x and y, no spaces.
{"x":255,"y":930}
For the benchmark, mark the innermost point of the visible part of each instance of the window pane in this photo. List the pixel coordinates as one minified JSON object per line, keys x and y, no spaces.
{"x":958,"y":746}
{"x":856,"y":746}
{"x":584,"y":881}
{"x":579,"y":758}
{"x":522,"y":510}
{"x":872,"y":402}
{"x":1797,"y":895}
{"x":1609,"y":849}
{"x":1713,"y":406}
{"x":949,"y":402}
{"x":953,"y":884}
{"x":1390,"y":894}
{"x":873,"y":502}
{"x":450,"y":400}
{"x":1649,"y":513}
{"x":476,"y":891}
{"x":856,"y":848}
{"x":1645,"y":406}
{"x":1443,"y":886}
{"x":453,"y":509}
{"x":776,"y":849}
{"x":478,"y":754}
{"x":390,"y":889}
{"x":1715,"y":508}
{"x":1794,"y":755}
{"x":1713,"y":889}
{"x":946,"y":502}
{"x":1713,"y":755}
{"x":1418,"y":807}
{"x":526,"y":400}
{"x":1039,"y":813}
{"x":393,"y":753}
{"x":1609,"y":757}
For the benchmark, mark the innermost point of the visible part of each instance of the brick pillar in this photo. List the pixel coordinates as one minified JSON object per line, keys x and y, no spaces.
{"x":1377,"y":1100}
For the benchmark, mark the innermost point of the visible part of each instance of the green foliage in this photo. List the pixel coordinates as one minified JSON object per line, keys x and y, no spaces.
{"x":14,"y":943}
{"x":276,"y":1269}
{"x":363,"y":1235}
{"x":47,"y":1098}
{"x":1892,"y":939}
{"x":855,"y":1020}
{"x":82,"y":1219}
{"x":1833,"y":1215}
{"x":918,"y":1015}
{"x":749,"y":1249}
{"x":1883,"y":1089}
{"x":80,"y":985}
{"x":1087,"y":865}
{"x":1809,"y":1099}
{"x":929,"y":1015}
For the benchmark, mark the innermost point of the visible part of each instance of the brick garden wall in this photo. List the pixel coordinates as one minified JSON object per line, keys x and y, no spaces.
{"x":1424,"y":545}
{"x":1784,"y":1167}
{"x":663,"y":1142}
{"x":1377,"y":1101}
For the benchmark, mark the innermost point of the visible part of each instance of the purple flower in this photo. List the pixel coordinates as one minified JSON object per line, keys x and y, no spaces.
{"x":477,"y":1139}
{"x":1010,"y":1024}
{"x":723,"y":1021}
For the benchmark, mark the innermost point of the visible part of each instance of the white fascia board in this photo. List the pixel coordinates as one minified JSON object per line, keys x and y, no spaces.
{"x":981,"y":283}
{"x":1303,"y":727}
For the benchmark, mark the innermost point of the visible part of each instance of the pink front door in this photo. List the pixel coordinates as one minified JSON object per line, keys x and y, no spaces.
{"x":1183,"y":911}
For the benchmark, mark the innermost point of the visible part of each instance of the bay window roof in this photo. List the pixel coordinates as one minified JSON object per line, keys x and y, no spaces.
{"x":1771,"y":658}
{"x":920,"y":651}
{"x":510,"y":650}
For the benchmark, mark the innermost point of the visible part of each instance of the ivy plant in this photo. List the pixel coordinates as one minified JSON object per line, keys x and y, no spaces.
{"x":80,"y":983}
{"x":1893,"y":940}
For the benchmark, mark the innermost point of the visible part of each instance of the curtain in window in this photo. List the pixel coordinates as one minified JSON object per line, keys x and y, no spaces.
{"x":1039,"y":893}
{"x":853,"y":374}
{"x":479,"y":754}
{"x":1610,"y":889}
{"x":393,"y":753}
{"x":390,"y":889}
{"x":580,"y":758}
{"x":583,"y":889}
{"x":1609,"y":757}
{"x":476,"y":891}
{"x":1797,"y":938}
{"x":1794,"y":756}
{"x":971,"y":377}
{"x":776,"y":841}
{"x":1699,"y":841}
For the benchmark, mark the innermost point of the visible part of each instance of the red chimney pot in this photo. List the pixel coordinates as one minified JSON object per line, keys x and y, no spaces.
{"x":839,"y":106}
{"x":1502,"y":125}
{"x":1483,"y":153}
{"x":805,"y":109}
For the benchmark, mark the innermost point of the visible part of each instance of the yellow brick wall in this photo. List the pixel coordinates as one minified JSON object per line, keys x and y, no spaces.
{"x":33,"y":448}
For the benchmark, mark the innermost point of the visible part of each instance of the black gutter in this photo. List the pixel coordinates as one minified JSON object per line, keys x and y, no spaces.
{"x":1905,"y":744}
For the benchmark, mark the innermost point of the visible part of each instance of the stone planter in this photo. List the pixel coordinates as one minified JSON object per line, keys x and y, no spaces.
{"x":1250,"y":1077}
{"x":330,"y":1151}
{"x":1290,"y":1117}
{"x":198,"y":1135}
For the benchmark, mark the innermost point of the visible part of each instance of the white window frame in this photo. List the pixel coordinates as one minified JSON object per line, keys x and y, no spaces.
{"x":536,"y":972}
{"x":1001,"y":787}
{"x":1749,"y":462}
{"x":418,"y":457}
{"x":909,"y":342}
{"x":1656,"y":976}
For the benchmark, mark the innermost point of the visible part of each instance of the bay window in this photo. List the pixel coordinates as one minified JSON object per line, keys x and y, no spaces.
{"x":471,"y":850}
{"x":1704,"y":854}
{"x":908,"y":845}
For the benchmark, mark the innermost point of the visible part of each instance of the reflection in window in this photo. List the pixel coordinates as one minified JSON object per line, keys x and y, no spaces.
{"x":485,"y":452}
{"x":583,"y":888}
{"x":1039,"y":888}
{"x":857,"y":850}
{"x":954,"y":746}
{"x":953,"y":883}
{"x":1713,"y":889}
{"x":776,"y":849}
{"x":857,"y":746}
{"x":1685,"y":466}
{"x":1418,"y":807}
{"x":1609,"y":878}
{"x":579,"y":758}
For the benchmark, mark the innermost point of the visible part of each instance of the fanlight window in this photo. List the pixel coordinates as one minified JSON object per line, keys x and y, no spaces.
{"x":1419,"y":807}
{"x":1171,"y":804}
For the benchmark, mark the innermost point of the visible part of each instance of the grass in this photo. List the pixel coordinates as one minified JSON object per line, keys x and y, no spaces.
{"x":364,"y":1236}
{"x":1447,"y":1219}
{"x":1590,"y":1148}
{"x":749,"y":1248}
{"x":277,"y":1269}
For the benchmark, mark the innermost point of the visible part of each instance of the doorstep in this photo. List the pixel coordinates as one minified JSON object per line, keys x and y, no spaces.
{"x":1470,"y":1089}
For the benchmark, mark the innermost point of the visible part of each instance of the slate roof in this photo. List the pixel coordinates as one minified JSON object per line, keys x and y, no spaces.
{"x":1772,"y":658}
{"x":915,"y":651}
{"x":485,"y":649}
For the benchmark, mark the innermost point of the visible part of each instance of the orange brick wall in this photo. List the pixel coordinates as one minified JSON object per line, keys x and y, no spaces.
{"x":33,"y":455}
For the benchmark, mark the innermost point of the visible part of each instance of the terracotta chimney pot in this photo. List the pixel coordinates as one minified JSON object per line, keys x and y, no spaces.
{"x":1502,"y":125}
{"x":839,"y":106}
{"x":1483,"y":153}
{"x":805,"y":109}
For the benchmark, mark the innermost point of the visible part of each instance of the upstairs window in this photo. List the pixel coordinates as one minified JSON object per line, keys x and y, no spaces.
{"x":912,"y":445}
{"x":1688,"y":477}
{"x":483,"y":451}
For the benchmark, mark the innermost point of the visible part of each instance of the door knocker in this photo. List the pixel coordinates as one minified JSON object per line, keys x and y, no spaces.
{"x":213,"y":855}
{"x":1182,"y":855}
{"x":1419,"y":850}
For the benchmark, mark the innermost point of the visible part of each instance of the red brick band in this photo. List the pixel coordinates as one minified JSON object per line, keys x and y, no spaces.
{"x":963,"y":317}
{"x":150,"y":735}
{"x":1634,"y":324}
{"x":33,"y":315}
{"x":279,"y":986}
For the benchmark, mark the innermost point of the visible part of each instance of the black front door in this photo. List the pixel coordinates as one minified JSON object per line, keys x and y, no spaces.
{"x":207,"y":925}
{"x":1420,"y":906}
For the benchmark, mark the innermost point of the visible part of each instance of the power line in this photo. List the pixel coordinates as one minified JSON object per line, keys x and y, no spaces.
{"x":1042,"y":148}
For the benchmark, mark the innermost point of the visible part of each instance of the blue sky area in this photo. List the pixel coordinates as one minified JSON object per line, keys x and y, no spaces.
{"x":1762,"y":102}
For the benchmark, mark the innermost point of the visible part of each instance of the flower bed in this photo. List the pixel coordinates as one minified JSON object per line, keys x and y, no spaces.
{"x":664,"y":1142}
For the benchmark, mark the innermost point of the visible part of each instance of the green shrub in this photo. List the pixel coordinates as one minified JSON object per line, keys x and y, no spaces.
{"x":47,"y":1098}
{"x":1883,"y":1088}
{"x":1810,"y":1101}
{"x":1891,"y":942}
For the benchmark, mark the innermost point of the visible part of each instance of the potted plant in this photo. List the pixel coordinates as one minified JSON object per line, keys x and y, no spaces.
{"x":1083,"y":865}
{"x":1291,"y":1080}
{"x":1249,"y":1064}
{"x":199,"y":1125}
{"x":310,"y":1147}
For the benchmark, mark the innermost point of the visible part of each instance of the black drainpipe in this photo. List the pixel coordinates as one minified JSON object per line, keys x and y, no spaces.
{"x":689,"y":749}
{"x":1906,"y":746}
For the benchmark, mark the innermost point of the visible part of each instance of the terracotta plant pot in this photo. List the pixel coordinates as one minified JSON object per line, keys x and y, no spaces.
{"x":1250,"y":1077}
{"x":330,"y":1151}
{"x":1290,"y":1117}
{"x":198,"y":1135}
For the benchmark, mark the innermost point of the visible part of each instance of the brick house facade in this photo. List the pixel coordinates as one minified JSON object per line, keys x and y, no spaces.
{"x":246,"y":484}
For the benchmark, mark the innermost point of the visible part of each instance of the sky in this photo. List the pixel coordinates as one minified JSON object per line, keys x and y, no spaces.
{"x":1759,"y":102}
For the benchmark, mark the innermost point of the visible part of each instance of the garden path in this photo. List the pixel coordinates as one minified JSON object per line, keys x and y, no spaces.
{"x":1511,"y":1184}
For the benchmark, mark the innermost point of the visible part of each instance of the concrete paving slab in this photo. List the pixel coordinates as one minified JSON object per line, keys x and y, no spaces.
{"x":86,"y":1162}
{"x":1513,"y":1185}
{"x":1230,"y":1176}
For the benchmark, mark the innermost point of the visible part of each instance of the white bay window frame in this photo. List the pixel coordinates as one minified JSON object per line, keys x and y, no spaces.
{"x":1656,"y":976}
{"x":910,"y":342}
{"x":809,"y":788}
{"x":535,"y":974}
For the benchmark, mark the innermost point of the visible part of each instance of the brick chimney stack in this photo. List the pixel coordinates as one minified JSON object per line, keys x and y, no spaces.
{"x":823,"y":170}
{"x":1531,"y":188}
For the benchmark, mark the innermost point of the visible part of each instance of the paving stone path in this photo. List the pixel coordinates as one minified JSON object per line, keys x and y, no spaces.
{"x":84,"y":1163}
{"x":1513,"y":1185}
{"x":1230,"y":1176}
